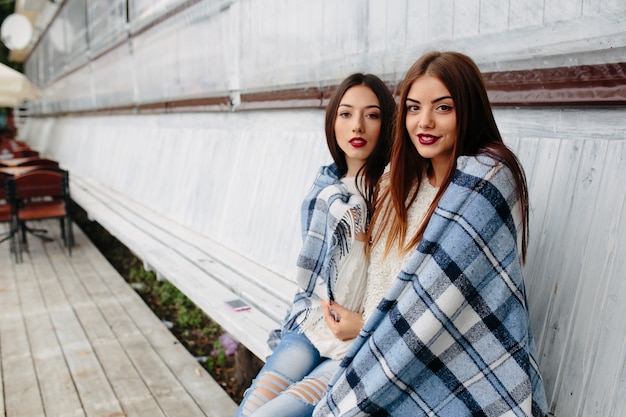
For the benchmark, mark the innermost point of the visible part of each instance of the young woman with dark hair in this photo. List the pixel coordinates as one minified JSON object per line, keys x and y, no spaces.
{"x":332,"y":264}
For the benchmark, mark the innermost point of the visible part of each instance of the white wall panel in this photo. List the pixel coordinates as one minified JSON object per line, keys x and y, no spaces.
{"x":556,"y":10}
{"x":526,"y":13}
{"x":466,"y":18}
{"x":112,"y":79}
{"x":106,"y":24}
{"x":192,"y":54}
{"x":575,"y":273}
{"x":144,"y":12}
{"x":494,"y":16}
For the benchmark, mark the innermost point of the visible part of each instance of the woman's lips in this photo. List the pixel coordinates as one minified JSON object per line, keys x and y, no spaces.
{"x":358,"y":142}
{"x":426,"y":139}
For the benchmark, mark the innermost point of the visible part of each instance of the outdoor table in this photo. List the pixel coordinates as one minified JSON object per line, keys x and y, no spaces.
{"x":17,"y":171}
{"x":13,"y":162}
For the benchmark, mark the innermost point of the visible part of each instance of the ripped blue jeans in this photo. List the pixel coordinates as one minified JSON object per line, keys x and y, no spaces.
{"x":291,"y":383}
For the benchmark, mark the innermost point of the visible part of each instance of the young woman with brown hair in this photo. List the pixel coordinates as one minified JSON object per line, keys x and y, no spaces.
{"x":447,"y":330}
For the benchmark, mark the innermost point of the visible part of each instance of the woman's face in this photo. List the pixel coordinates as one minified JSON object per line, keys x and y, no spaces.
{"x":431,"y":120}
{"x":357,"y":126}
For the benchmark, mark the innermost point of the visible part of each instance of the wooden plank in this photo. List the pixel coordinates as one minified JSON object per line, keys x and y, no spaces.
{"x":129,"y":388}
{"x":55,"y":381}
{"x":95,"y":391}
{"x":21,"y":392}
{"x":571,"y":207}
{"x":539,"y":190}
{"x":597,"y":329}
{"x":6,"y":273}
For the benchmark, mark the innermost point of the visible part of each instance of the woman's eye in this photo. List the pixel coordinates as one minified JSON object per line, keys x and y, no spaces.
{"x":373,"y":116}
{"x":412,"y":108}
{"x":344,"y":114}
{"x":445,"y":107}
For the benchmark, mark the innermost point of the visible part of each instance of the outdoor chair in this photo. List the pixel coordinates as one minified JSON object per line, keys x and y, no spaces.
{"x":6,"y":214}
{"x":38,"y":195}
{"x":23,"y":153}
{"x":42,"y":162}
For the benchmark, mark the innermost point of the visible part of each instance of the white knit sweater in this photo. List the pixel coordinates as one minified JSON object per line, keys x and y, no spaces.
{"x":382,"y":270}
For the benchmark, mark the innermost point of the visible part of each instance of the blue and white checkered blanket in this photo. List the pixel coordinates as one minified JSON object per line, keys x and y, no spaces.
{"x":452,"y":336}
{"x":330,"y":219}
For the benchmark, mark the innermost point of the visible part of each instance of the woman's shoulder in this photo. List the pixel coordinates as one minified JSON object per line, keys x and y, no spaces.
{"x":488,"y":168}
{"x":481,"y":164}
{"x":327,"y":175}
{"x":475,"y":161}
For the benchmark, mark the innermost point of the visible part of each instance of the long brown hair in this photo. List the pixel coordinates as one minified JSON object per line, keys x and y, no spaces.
{"x":376,"y":162}
{"x":477,"y":132}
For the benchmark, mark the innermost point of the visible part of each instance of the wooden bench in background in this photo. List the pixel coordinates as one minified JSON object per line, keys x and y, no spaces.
{"x":206,"y":272}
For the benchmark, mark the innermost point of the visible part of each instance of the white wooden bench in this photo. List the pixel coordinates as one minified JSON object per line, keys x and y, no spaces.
{"x":205,"y":271}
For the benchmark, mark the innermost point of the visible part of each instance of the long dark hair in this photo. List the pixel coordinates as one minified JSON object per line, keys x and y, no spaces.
{"x":477,"y":132}
{"x":376,"y":162}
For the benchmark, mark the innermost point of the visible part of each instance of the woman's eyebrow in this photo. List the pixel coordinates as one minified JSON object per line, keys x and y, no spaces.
{"x":441,"y":98}
{"x":434,"y":101}
{"x":371,"y":106}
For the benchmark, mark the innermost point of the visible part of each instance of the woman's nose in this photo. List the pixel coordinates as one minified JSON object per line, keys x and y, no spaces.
{"x":425,"y":121}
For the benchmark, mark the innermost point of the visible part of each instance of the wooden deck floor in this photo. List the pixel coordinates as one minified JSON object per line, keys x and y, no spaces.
{"x":76,"y":340}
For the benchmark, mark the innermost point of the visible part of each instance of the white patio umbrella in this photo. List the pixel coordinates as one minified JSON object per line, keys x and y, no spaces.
{"x":14,"y":87}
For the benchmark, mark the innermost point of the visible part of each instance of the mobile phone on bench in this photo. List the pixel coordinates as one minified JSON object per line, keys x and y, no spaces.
{"x":238,"y":304}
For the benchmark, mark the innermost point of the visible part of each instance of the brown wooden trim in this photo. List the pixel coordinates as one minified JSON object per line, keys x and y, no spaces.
{"x":102,"y":111}
{"x":305,"y":94}
{"x":307,"y":97}
{"x":587,"y":85}
{"x":201,"y":103}
{"x":577,"y":85}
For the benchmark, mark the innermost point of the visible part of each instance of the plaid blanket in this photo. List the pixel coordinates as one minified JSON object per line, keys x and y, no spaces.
{"x":330,"y":219}
{"x":452,"y":337}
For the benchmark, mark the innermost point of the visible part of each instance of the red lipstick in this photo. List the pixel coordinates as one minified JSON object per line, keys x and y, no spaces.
{"x":357,"y":142}
{"x":426,"y":139}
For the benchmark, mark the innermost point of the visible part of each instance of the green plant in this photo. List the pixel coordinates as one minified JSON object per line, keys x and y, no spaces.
{"x":189,"y":317}
{"x":217,"y":359}
{"x":212,"y":329}
{"x":166,"y":292}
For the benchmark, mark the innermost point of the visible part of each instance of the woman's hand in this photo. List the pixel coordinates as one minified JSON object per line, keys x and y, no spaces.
{"x":344,"y":324}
